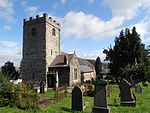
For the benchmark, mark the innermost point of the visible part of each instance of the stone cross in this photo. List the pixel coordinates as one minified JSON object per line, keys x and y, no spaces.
{"x":127,"y":98}
{"x":77,"y":104}
{"x":100,"y":98}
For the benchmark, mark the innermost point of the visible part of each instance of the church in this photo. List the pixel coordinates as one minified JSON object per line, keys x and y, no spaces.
{"x":43,"y":60}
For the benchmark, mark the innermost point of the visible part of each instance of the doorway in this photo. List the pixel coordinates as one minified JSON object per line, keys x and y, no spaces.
{"x":51,"y":79}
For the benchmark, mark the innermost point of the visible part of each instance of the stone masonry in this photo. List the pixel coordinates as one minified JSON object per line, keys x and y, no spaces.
{"x":41,"y":44}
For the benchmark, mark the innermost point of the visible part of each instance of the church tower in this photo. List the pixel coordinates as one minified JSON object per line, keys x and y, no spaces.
{"x":41,"y":44}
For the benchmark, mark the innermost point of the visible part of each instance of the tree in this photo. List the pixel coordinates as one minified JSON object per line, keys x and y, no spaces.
{"x":98,"y":67}
{"x":126,"y":58}
{"x":146,"y":66}
{"x":9,"y":70}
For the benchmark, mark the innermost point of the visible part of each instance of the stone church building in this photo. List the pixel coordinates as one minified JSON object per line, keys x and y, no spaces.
{"x":42,"y":59}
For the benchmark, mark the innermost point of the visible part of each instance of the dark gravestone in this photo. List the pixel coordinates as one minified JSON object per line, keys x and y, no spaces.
{"x":138,"y":89}
{"x":42,"y":87}
{"x":100,"y":98}
{"x":127,"y":98}
{"x":77,"y":104}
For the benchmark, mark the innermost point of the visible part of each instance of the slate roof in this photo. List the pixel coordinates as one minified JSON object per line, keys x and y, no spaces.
{"x":60,"y":62}
{"x":85,"y":69}
{"x":85,"y":65}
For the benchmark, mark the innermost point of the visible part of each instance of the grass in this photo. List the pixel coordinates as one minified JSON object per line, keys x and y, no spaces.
{"x":64,"y":106}
{"x":49,"y":93}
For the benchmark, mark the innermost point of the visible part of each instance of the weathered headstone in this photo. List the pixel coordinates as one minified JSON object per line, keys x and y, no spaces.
{"x":87,"y":89}
{"x":127,"y":98}
{"x":100,"y":98}
{"x":77,"y":104}
{"x":138,"y":89}
{"x":42,"y":87}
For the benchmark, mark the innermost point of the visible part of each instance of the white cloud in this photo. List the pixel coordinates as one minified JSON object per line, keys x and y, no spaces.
{"x":83,"y":25}
{"x":6,"y":10}
{"x":126,"y":8}
{"x":10,"y":55}
{"x":147,"y":40}
{"x":94,"y":55}
{"x":10,"y":51}
{"x":8,"y":43}
{"x":32,"y":10}
{"x":7,"y":27}
{"x":143,"y":29}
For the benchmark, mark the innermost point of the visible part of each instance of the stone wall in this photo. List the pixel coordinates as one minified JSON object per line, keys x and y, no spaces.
{"x":39,"y":47}
{"x":88,"y":76}
{"x":75,"y":64}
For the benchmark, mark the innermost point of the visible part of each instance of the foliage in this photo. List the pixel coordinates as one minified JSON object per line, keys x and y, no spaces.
{"x":17,"y":95}
{"x":5,"y":84}
{"x":10,"y":71}
{"x":64,"y":106}
{"x":127,"y":57}
{"x":146,"y":66}
{"x":98,"y":67}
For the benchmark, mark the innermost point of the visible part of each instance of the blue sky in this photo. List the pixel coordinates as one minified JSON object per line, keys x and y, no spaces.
{"x":87,"y":26}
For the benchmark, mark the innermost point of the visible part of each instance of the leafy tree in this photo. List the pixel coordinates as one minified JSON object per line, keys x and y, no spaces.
{"x":146,"y":66}
{"x":98,"y":67}
{"x":126,"y":58}
{"x":9,"y":70}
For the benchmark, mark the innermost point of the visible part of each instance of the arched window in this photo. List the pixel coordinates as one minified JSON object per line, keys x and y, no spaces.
{"x":33,"y":31}
{"x":53,"y":32}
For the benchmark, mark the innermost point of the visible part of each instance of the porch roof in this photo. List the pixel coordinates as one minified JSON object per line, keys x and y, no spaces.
{"x":59,"y":60}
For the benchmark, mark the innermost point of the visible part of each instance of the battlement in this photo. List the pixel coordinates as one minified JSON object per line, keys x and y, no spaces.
{"x":42,"y":18}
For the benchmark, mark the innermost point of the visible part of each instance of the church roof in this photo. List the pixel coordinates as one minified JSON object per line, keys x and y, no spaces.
{"x":85,"y":65}
{"x":85,"y":69}
{"x":62,"y":60}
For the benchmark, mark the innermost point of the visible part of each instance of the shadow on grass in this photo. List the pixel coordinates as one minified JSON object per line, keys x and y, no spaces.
{"x":66,"y":109}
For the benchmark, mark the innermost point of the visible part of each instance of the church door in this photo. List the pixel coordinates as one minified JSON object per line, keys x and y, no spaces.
{"x":51,"y":79}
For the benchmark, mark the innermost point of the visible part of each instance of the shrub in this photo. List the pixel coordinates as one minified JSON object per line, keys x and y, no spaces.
{"x":17,"y":95}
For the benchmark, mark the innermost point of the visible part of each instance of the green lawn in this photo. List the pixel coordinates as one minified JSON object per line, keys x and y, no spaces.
{"x":64,"y":106}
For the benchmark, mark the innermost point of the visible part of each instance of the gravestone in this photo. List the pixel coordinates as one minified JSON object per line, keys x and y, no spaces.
{"x":100,"y":98}
{"x":138,"y":89}
{"x":88,"y":89}
{"x":77,"y":104}
{"x":127,"y":98}
{"x":42,"y":87}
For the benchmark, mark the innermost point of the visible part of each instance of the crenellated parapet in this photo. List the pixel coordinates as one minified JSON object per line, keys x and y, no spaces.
{"x":41,"y":19}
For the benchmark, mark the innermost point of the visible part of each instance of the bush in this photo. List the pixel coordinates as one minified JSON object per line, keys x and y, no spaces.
{"x":17,"y":95}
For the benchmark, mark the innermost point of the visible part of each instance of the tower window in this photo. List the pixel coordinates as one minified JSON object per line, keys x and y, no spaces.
{"x":33,"y":31}
{"x":53,"y":32}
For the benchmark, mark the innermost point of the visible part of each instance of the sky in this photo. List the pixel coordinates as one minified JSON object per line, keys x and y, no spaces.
{"x":87,"y":26}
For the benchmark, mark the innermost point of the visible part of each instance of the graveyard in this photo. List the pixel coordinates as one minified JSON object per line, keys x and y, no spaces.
{"x":113,"y":102}
{"x":74,"y":56}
